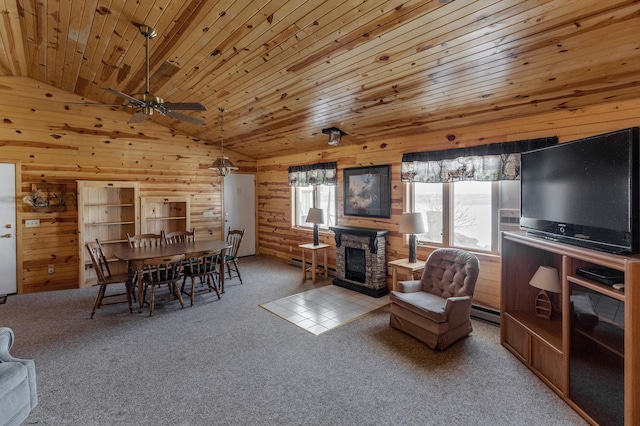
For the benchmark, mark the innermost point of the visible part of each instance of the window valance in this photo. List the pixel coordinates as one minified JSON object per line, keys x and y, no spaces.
{"x":498,"y":161}
{"x":314,"y":174}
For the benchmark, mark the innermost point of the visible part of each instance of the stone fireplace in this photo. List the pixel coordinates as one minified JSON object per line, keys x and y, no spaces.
{"x":361,"y":261}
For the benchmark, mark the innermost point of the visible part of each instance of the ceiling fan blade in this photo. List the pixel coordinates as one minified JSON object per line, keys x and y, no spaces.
{"x":190,"y":106}
{"x":138,"y":117}
{"x":148,"y":102}
{"x":123,"y":95}
{"x":183,"y":117}
{"x":94,"y":104}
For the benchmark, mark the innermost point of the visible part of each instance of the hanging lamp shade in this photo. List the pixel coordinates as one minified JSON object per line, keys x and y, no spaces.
{"x":222,"y":165}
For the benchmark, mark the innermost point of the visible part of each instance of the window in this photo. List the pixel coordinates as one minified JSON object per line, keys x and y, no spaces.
{"x":467,"y":193}
{"x":313,"y":185}
{"x":320,"y":196}
{"x":463,"y":214}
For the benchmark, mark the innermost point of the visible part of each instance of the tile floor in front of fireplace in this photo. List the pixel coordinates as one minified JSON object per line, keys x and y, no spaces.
{"x":324,"y":308}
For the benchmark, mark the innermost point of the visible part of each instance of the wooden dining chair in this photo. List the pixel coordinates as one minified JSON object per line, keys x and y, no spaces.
{"x":203,"y":267}
{"x":143,"y":240}
{"x":159,"y":271}
{"x":146,"y":240}
{"x":180,"y":236}
{"x":105,"y":278}
{"x":234,"y":237}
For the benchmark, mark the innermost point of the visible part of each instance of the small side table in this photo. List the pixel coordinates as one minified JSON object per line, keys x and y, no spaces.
{"x":314,"y":260}
{"x":406,"y":268}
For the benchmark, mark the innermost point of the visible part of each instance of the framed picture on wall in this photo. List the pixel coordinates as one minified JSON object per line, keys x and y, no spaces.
{"x":367,"y":191}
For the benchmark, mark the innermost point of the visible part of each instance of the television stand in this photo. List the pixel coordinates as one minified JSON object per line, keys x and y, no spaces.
{"x":581,"y":341}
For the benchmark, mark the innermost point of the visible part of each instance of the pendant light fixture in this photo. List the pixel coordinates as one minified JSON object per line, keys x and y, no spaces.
{"x":222,"y":166}
{"x":335,"y":135}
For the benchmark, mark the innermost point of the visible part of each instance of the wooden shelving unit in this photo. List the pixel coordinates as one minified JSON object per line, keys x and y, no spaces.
{"x":107,"y":211}
{"x":550,"y":348}
{"x":166,"y":214}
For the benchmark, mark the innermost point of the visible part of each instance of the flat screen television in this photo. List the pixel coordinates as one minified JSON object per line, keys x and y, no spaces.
{"x":584,"y":192}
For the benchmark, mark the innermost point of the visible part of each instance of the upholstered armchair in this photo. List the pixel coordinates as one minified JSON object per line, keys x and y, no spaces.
{"x":18,"y":394}
{"x":436,"y":309}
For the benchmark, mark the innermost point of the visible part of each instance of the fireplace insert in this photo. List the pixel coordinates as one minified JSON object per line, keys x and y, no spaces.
{"x":356,"y":264}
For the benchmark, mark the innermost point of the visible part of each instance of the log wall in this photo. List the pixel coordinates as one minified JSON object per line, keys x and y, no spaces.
{"x":57,"y":143}
{"x":277,"y":239}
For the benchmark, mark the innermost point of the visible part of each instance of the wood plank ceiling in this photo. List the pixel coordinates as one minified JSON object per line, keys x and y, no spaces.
{"x":286,"y":69}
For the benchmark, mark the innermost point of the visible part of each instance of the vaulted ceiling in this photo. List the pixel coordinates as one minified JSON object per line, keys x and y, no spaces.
{"x":286,"y":69}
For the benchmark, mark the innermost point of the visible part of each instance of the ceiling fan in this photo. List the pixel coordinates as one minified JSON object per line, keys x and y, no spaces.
{"x":146,"y":103}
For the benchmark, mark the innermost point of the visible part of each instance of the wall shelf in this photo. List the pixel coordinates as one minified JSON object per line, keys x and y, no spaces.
{"x":168,"y":214}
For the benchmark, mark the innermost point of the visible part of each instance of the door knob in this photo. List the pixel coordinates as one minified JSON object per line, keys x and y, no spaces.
{"x":7,"y":236}
{"x":8,"y":226}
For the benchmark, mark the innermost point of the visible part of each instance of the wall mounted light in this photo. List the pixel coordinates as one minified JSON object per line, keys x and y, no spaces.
{"x":335,"y":135}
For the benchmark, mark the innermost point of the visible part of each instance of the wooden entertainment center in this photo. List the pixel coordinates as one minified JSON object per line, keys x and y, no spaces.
{"x":589,"y":360}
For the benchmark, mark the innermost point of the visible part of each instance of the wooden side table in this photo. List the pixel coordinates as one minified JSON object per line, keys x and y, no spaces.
{"x":404,"y":267}
{"x":314,"y":260}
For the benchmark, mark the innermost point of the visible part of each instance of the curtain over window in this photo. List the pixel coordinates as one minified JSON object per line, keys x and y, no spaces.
{"x":498,"y":161}
{"x":314,"y":174}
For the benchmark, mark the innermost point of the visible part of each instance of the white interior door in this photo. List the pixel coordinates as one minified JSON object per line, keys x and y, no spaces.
{"x":240,"y":209}
{"x":8,"y":281}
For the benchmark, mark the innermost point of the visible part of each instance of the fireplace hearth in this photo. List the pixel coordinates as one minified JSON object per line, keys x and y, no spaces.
{"x":361,"y":263}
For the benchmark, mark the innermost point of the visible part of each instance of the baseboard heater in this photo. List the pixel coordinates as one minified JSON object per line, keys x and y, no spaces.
{"x":485,"y":314}
{"x":296,"y":261}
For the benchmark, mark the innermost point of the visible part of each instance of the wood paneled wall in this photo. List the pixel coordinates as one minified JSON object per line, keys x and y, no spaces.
{"x":58,"y":143}
{"x":278,"y":240}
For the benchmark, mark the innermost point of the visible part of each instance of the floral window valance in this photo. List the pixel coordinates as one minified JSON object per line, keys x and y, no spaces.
{"x":498,"y":161}
{"x":314,"y":174}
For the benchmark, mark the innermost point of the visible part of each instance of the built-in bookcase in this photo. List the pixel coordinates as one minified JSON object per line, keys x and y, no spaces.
{"x":107,"y":211}
{"x":168,"y":214}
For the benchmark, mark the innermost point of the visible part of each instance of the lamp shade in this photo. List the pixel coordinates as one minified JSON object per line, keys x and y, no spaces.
{"x":546,"y":278}
{"x":411,"y":223}
{"x":223,"y":166}
{"x":315,"y":216}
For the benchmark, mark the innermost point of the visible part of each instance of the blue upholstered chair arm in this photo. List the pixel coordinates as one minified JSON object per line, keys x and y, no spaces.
{"x":6,"y":342}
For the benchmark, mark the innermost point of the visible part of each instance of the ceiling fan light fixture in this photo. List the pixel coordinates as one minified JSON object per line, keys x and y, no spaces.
{"x":146,"y":103}
{"x":335,"y":135}
{"x":222,"y":165}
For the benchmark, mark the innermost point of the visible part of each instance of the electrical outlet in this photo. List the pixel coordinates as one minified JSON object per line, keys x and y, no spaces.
{"x":32,"y":223}
{"x":51,"y":269}
{"x":207,"y":214}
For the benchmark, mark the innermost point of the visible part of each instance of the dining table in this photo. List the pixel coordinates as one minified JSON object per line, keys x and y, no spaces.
{"x":137,"y":255}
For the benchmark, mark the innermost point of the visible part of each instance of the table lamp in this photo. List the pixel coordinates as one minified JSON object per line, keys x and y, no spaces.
{"x":316,"y":217}
{"x":412,"y":224}
{"x":546,"y":279}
